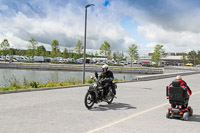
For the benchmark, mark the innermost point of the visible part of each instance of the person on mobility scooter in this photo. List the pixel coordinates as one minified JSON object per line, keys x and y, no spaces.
{"x":178,"y":94}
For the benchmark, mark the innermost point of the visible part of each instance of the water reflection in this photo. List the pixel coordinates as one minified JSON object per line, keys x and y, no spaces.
{"x":45,"y":76}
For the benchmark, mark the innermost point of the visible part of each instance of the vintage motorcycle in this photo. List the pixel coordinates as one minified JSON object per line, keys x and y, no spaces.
{"x":95,"y":93}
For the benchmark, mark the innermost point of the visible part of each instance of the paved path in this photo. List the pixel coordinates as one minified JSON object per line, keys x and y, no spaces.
{"x":139,"y":108}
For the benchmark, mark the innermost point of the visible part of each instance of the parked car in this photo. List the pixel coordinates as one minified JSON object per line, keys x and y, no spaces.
{"x":135,"y":62}
{"x":79,"y":61}
{"x":110,"y":61}
{"x":38,"y":59}
{"x":70,"y":60}
{"x":47,"y":59}
{"x":189,"y":64}
{"x":123,"y":63}
{"x":57,"y":58}
{"x":2,"y":58}
{"x":129,"y":62}
{"x":19,"y":58}
{"x":100,"y":63}
{"x":7,"y":58}
{"x":146,"y":63}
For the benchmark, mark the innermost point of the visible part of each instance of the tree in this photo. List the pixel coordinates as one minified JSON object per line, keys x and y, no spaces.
{"x":79,"y":48}
{"x":75,"y":56}
{"x":11,"y":51}
{"x":41,"y":51}
{"x":158,"y":53}
{"x":29,"y":52}
{"x":184,"y":58}
{"x":105,"y":49}
{"x":92,"y":55}
{"x":133,"y":53}
{"x":117,"y":56}
{"x":48,"y":53}
{"x":192,"y":57}
{"x":96,"y":54}
{"x":54,"y":47}
{"x":58,"y":52}
{"x":71,"y":55}
{"x":121,"y":55}
{"x":198,"y":57}
{"x":32,"y":45}
{"x":4,"y":45}
{"x":65,"y":53}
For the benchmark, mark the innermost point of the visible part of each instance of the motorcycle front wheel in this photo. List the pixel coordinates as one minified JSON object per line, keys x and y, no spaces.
{"x":89,"y":100}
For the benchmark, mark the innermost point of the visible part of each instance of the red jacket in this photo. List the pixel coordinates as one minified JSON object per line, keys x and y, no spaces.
{"x":184,"y":85}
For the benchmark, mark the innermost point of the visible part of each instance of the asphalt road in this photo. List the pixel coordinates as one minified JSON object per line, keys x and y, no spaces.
{"x":140,"y":107}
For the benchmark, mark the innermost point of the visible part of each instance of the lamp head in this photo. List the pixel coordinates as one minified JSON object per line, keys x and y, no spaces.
{"x":89,"y":5}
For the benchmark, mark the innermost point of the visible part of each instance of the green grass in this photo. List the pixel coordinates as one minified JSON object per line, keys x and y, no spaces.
{"x":15,"y":85}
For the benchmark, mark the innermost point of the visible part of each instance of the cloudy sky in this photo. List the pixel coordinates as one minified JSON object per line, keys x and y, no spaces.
{"x":172,"y":23}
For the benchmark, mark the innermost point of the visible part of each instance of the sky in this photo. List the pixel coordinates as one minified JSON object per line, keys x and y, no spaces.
{"x":175,"y":24}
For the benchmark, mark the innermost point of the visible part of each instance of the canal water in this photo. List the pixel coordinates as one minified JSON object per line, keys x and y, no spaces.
{"x":8,"y":75}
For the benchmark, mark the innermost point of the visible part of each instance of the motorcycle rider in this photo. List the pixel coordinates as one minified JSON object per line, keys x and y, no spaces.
{"x":106,"y":78}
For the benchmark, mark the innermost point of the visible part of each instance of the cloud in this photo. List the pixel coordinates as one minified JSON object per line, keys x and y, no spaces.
{"x":173,"y":24}
{"x":65,"y":24}
{"x":14,"y":40}
{"x":172,"y":40}
{"x":3,"y":7}
{"x":170,"y":23}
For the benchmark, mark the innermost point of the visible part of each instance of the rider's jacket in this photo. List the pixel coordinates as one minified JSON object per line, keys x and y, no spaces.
{"x":184,"y":85}
{"x":107,"y":78}
{"x":108,"y":75}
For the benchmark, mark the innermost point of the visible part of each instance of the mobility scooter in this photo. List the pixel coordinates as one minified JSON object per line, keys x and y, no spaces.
{"x":178,"y":97}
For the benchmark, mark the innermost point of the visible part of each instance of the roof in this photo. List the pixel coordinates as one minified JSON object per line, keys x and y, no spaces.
{"x":172,"y":58}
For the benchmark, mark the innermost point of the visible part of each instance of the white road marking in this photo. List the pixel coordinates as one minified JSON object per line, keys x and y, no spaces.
{"x":133,"y":115}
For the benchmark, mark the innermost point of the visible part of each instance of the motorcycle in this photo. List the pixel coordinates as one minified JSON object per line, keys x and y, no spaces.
{"x":95,"y":93}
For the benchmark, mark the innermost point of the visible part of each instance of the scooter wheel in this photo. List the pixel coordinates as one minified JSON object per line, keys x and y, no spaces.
{"x":185,"y":116}
{"x":190,"y":112}
{"x":168,"y":115}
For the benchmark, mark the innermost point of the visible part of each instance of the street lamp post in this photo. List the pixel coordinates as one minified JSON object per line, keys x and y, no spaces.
{"x":85,"y":40}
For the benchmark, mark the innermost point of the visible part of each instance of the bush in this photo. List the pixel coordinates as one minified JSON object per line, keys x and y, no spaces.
{"x":41,"y":85}
{"x":59,"y":84}
{"x":34,"y":84}
{"x":90,"y":81}
{"x":155,"y":65}
{"x":25,"y":83}
{"x":116,"y":80}
{"x":13,"y":81}
{"x":71,"y":81}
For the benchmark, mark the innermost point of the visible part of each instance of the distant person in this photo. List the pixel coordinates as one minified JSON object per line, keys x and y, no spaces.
{"x":11,"y":59}
{"x":183,"y":85}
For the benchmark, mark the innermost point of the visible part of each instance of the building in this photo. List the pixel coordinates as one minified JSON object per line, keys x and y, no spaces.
{"x":169,"y":59}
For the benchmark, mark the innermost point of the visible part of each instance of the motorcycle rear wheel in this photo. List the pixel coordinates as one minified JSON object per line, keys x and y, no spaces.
{"x":89,"y":100}
{"x":110,"y":99}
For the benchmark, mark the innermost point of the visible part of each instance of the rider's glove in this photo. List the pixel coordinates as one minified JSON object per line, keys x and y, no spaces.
{"x":100,"y":81}
{"x":106,"y":79}
{"x":111,"y":79}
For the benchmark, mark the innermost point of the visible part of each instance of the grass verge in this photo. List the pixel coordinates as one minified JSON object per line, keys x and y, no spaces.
{"x":14,"y":84}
